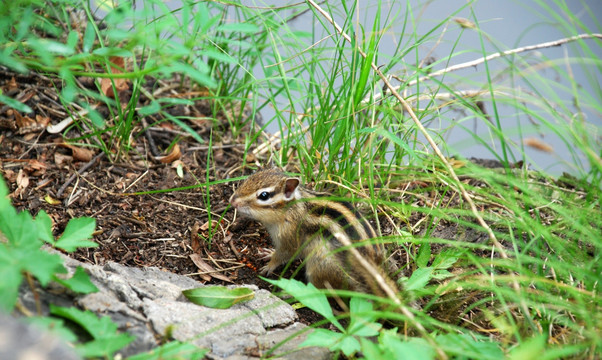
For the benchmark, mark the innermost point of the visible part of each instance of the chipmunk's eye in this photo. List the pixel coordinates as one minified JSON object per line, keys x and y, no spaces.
{"x":264,"y":195}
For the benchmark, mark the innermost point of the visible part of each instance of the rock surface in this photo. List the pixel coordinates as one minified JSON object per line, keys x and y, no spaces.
{"x":21,"y":341}
{"x":148,"y":303}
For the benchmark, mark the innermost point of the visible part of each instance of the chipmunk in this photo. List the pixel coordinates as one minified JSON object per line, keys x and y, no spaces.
{"x":309,"y":225}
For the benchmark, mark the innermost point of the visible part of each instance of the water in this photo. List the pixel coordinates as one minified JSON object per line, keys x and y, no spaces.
{"x":505,"y":25}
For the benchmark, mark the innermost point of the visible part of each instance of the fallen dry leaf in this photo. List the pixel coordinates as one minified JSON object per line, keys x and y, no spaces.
{"x":10,"y":176}
{"x":174,"y":155}
{"x":62,"y":160}
{"x":106,"y":85}
{"x":195,"y":242}
{"x":11,"y":85}
{"x":36,"y":167}
{"x":25,"y":124}
{"x":204,"y":267}
{"x":79,"y":153}
{"x":538,"y":145}
{"x":205,"y":226}
{"x":42,"y":120}
{"x":22,"y":184}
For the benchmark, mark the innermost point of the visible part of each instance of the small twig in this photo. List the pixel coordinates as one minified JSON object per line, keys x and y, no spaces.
{"x":170,"y":131}
{"x":74,"y":195}
{"x":217,"y":270}
{"x":36,"y":294}
{"x":151,"y":142}
{"x":76,"y":174}
{"x":135,"y":181}
{"x":490,"y":57}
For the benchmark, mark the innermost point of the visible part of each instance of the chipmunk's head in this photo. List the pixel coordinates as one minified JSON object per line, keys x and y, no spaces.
{"x":265,"y":195}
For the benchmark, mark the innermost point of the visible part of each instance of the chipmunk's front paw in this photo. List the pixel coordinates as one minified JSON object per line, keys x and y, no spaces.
{"x":265,"y":254}
{"x":269,"y":268}
{"x":272,"y":264}
{"x":266,"y":270}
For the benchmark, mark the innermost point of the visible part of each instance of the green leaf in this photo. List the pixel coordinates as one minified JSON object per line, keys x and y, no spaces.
{"x":152,"y":108}
{"x":72,"y":39}
{"x":89,"y":36}
{"x":470,"y":345}
{"x":530,"y":349}
{"x":373,"y":351}
{"x":219,"y":56}
{"x":97,"y":328}
{"x":441,"y":274}
{"x":4,"y":201}
{"x":309,"y":296}
{"x":52,"y":46}
{"x":174,"y":101}
{"x":44,"y":226}
{"x":349,"y":346}
{"x":419,"y":278}
{"x":413,"y":348}
{"x":45,"y":265}
{"x":447,"y":258}
{"x":200,"y":77}
{"x":76,"y":234}
{"x":362,"y":318}
{"x":365,"y":71}
{"x":334,"y":341}
{"x":323,"y":338}
{"x":106,"y":339}
{"x":218,"y":297}
{"x":15,"y":104}
{"x":424,"y":255}
{"x":104,"y":347}
{"x":79,"y":282}
{"x":11,"y":280}
{"x":17,"y":229}
{"x":174,"y":350}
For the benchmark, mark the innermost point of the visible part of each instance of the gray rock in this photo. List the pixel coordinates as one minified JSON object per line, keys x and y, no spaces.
{"x":20,"y":341}
{"x":290,"y":349}
{"x":225,"y":332}
{"x":271,"y":310}
{"x":148,"y":303}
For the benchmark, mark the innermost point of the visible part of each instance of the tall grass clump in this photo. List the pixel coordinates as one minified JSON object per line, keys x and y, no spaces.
{"x":121,"y":48}
{"x":522,"y":264}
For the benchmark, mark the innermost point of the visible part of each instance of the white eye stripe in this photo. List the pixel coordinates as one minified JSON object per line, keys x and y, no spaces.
{"x":265,"y":194}
{"x":269,"y":190}
{"x":275,"y":198}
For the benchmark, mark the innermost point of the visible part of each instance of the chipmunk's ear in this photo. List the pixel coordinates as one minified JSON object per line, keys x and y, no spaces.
{"x":290,"y":186}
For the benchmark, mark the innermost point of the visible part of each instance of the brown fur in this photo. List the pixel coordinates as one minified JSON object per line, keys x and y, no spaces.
{"x":303,"y":224}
